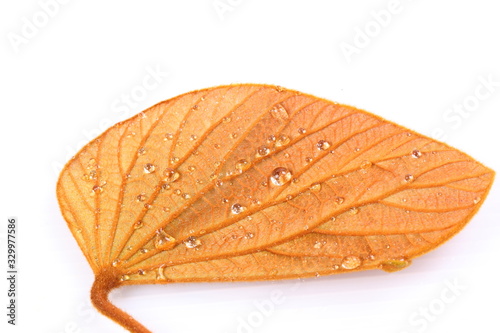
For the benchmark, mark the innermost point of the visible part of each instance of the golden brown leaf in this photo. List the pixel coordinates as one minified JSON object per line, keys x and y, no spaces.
{"x":255,"y":182}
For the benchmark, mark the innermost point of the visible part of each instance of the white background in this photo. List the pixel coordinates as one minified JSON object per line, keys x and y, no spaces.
{"x":62,"y":82}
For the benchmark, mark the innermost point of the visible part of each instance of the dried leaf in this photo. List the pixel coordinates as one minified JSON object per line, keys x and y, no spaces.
{"x":255,"y":182}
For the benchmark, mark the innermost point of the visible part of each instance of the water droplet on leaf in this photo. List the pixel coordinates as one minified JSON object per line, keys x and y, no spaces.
{"x":351,"y":262}
{"x":416,"y":153}
{"x":149,"y":168}
{"x":315,"y":187}
{"x":280,"y":176}
{"x":242,"y":165}
{"x":263,"y":151}
{"x":192,"y":242}
{"x":409,"y":178}
{"x":141,"y":151}
{"x":279,"y":112}
{"x":394,"y":265}
{"x":323,"y":145}
{"x":339,"y":200}
{"x":237,"y":208}
{"x":163,"y":241}
{"x":170,"y":175}
{"x":365,"y":164}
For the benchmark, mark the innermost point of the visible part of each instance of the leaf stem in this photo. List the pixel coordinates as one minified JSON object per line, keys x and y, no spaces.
{"x":104,"y":282}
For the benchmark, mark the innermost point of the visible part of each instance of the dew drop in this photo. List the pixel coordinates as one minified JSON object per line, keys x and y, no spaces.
{"x":217,"y":146}
{"x":144,"y":251}
{"x":366,"y":164}
{"x":191,"y":168}
{"x":170,"y":175}
{"x":192,"y":242}
{"x":163,"y":241}
{"x":249,"y":235}
{"x":315,"y":187}
{"x":289,"y":197}
{"x":237,"y":208}
{"x":476,"y":200}
{"x":92,"y":175}
{"x":177,"y":191}
{"x":280,"y":176}
{"x":353,"y":210}
{"x":149,"y":168}
{"x":309,"y":160}
{"x":351,"y":262}
{"x":141,"y":272}
{"x":138,"y":225}
{"x":96,"y":189}
{"x":242,"y":165}
{"x":125,"y":278}
{"x":233,"y":135}
{"x":282,"y":140}
{"x":302,"y":131}
{"x":323,"y":145}
{"x":226,"y":120}
{"x":141,"y":151}
{"x":159,"y":274}
{"x":186,"y":196}
{"x":141,"y":197}
{"x":279,"y":112}
{"x":92,"y":163}
{"x":416,"y":153}
{"x":409,"y":178}
{"x":263,"y":151}
{"x":339,"y":200}
{"x":168,"y":136}
{"x":115,"y":262}
{"x":394,"y":265}
{"x":271,"y":138}
{"x":318,"y":245}
{"x":193,"y":137}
